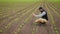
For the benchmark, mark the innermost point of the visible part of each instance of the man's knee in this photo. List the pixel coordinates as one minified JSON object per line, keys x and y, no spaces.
{"x":41,"y":20}
{"x":37,"y":20}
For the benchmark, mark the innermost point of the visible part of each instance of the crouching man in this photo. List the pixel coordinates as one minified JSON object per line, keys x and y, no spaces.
{"x":42,"y":18}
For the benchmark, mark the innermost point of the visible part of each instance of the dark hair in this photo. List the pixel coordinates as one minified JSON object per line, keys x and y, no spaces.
{"x":40,"y":8}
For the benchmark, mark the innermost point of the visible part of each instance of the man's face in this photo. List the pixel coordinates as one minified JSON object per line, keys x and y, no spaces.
{"x":41,"y":9}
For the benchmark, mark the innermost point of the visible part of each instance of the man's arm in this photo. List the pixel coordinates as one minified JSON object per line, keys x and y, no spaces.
{"x":40,"y":15}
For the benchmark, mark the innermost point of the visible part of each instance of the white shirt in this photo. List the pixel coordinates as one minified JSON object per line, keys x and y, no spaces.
{"x":40,"y":15}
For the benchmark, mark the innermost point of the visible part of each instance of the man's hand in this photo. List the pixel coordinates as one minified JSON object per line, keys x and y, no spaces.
{"x":33,"y":14}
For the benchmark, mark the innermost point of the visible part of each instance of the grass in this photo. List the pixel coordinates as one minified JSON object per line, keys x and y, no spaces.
{"x":1,"y":31}
{"x":53,"y":22}
{"x":14,"y":1}
{"x":53,"y":0}
{"x":27,"y":0}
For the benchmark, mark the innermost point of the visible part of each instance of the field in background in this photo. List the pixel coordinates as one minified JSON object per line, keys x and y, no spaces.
{"x":13,"y":1}
{"x":16,"y":17}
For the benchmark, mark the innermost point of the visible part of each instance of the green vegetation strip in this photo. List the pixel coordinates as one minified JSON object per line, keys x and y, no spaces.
{"x":12,"y":21}
{"x":21,"y":26}
{"x":11,"y":18}
{"x":53,"y":22}
{"x":27,"y":6}
{"x":1,"y":30}
{"x":18,"y":12}
{"x":18,"y":30}
{"x":34,"y":29}
{"x":7,"y":14}
{"x":15,"y":1}
{"x":17,"y":19}
{"x":54,"y":11}
{"x":52,"y":5}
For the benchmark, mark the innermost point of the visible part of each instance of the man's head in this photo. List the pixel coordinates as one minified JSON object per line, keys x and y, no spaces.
{"x":41,"y":9}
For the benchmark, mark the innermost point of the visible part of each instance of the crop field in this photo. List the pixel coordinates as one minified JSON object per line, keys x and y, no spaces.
{"x":17,"y":18}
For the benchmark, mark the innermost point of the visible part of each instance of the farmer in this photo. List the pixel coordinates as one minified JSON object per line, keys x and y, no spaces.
{"x":42,"y":18}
